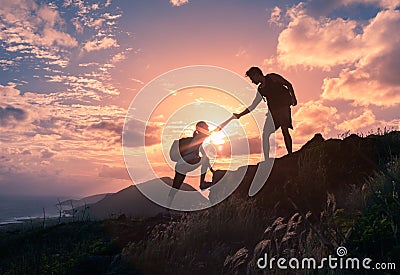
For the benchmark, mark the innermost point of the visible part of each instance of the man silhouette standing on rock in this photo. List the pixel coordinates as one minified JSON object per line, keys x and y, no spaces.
{"x":279,"y":95}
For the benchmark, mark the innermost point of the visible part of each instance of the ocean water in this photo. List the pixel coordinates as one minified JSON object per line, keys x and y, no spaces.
{"x":15,"y":208}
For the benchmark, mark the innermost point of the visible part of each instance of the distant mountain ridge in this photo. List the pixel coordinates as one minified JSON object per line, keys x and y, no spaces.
{"x":86,"y":200}
{"x":130,"y":202}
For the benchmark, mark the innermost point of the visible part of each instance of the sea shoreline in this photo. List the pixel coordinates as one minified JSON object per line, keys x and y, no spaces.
{"x":28,"y":223}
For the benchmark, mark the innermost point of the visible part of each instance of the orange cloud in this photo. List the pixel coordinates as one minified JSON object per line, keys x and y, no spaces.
{"x":114,"y":172}
{"x":374,"y":80}
{"x":11,"y":115}
{"x":312,"y":42}
{"x":53,"y":141}
{"x":253,"y":144}
{"x":51,"y":37}
{"x":365,"y":119}
{"x":275,"y":16}
{"x":369,"y":50}
{"x":313,"y":117}
{"x":31,"y":24}
{"x":319,"y":7}
{"x":178,"y":3}
{"x":137,"y":133}
{"x":100,"y":44}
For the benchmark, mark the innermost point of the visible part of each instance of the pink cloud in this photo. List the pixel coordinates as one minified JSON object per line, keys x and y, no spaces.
{"x":374,"y":80}
{"x":96,"y":45}
{"x":365,"y":119}
{"x":390,"y":4}
{"x":49,"y":15}
{"x":10,"y":115}
{"x":321,"y":7}
{"x":178,"y":3}
{"x":54,"y":142}
{"x":253,"y":144}
{"x":313,"y":117}
{"x":317,"y":42}
{"x":30,"y":23}
{"x":114,"y":172}
{"x":34,"y":30}
{"x":275,"y":16}
{"x":51,"y":37}
{"x":83,"y":84}
{"x":369,"y":50}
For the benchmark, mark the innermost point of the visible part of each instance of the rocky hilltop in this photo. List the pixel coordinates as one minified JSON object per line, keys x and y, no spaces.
{"x":321,"y":166}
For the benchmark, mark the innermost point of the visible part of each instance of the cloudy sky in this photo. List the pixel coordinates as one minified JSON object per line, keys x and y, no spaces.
{"x":71,"y":68}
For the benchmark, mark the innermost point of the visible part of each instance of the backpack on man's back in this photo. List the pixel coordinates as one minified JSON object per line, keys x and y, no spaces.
{"x":178,"y":148}
{"x":275,"y":92}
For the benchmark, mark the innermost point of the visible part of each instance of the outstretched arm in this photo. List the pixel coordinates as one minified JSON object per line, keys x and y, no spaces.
{"x":253,"y":105}
{"x":278,"y":78}
{"x":223,"y":124}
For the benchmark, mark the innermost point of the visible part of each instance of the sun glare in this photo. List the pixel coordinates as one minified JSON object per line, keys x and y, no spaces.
{"x":217,"y":138}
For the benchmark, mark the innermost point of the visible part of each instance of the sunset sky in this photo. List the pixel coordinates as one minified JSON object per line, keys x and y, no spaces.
{"x":70,"y":70}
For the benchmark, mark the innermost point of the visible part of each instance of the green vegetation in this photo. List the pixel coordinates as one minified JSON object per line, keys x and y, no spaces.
{"x":199,"y":241}
{"x":376,"y":232}
{"x":58,"y":249}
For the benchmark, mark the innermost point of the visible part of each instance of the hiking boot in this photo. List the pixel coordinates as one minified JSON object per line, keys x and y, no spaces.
{"x":205,"y":185}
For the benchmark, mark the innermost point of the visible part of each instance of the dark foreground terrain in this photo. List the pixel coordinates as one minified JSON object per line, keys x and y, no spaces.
{"x":331,"y":193}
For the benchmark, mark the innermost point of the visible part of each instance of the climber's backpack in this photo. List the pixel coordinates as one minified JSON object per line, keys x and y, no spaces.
{"x":178,"y":148}
{"x":277,"y":93}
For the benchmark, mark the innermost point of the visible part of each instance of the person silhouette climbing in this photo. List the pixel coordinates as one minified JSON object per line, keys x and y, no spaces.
{"x":279,"y":95}
{"x":191,"y":160}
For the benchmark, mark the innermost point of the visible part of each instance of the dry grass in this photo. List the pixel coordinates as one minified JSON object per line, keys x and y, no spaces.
{"x":199,"y":241}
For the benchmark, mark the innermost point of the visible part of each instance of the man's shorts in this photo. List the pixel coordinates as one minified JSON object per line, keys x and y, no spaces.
{"x":282,"y":117}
